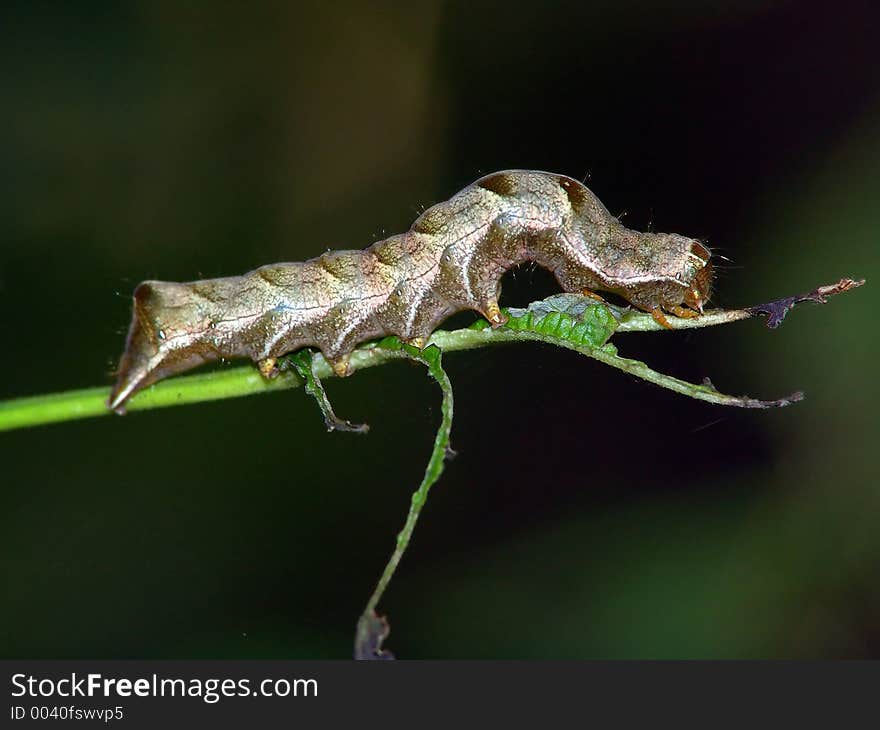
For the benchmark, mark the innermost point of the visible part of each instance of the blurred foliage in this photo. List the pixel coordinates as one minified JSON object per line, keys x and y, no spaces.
{"x":587,"y":514}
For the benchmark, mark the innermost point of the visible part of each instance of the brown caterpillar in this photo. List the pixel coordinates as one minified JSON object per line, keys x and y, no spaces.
{"x":452,"y":258}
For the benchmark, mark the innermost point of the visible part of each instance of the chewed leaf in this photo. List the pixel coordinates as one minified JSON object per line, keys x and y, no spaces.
{"x":570,"y":317}
{"x":585,"y":325}
{"x":372,"y":630}
{"x":778,"y":308}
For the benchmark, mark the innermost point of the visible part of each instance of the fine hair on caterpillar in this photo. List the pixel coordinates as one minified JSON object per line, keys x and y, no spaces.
{"x":451,"y":259}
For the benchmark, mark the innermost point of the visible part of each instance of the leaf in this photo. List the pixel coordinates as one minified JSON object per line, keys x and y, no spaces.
{"x":577,"y":319}
{"x":372,"y":629}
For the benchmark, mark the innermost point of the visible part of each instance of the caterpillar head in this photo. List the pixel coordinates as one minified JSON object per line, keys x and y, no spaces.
{"x":700,"y":285}
{"x":672,"y":270}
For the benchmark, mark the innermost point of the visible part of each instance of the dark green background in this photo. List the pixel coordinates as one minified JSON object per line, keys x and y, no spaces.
{"x":588,"y":514}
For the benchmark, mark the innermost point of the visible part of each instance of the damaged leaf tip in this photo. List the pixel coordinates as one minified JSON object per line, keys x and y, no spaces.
{"x":779,"y":308}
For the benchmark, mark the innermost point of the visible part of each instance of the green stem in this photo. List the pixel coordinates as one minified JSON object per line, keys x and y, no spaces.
{"x":220,"y":384}
{"x":240,"y":381}
{"x":371,"y":629}
{"x":217,"y":385}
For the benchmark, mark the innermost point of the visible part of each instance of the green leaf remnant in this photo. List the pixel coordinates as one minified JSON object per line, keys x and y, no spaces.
{"x":304,"y":364}
{"x":372,"y":629}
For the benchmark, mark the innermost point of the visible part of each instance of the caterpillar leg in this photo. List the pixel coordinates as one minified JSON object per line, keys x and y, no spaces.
{"x":683,"y":312}
{"x":302,"y":362}
{"x":492,"y":312}
{"x":592,"y":295}
{"x":268,"y":367}
{"x":418,"y":342}
{"x":660,"y":318}
{"x":340,"y":366}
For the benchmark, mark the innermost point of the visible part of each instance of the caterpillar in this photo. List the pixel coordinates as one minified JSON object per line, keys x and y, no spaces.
{"x":451,"y":259}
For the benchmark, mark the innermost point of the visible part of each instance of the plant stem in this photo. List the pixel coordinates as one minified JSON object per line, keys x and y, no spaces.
{"x":229,"y":382}
{"x":371,"y":629}
{"x":240,"y":381}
